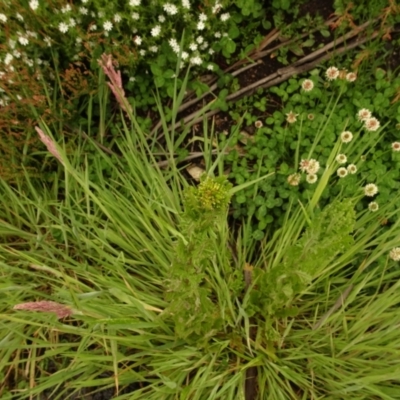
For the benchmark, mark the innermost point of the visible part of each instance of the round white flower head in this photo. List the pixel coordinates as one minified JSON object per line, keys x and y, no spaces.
{"x":210,"y":67}
{"x":200,"y":25}
{"x":211,"y":52}
{"x":395,"y":254}
{"x":217,"y":34}
{"x":117,"y":18}
{"x":186,"y":4}
{"x":313,"y":166}
{"x":307,"y":85}
{"x":200,"y":40}
{"x":138,"y":40}
{"x":291,"y":117}
{"x":363,"y":114}
{"x":170,"y":9}
{"x":311,"y":178}
{"x":396,"y":146}
{"x":135,"y":16}
{"x":332,"y":73}
{"x":341,"y":158}
{"x":156,"y":31}
{"x":23,"y":40}
{"x":184,"y":55}
{"x":34,"y":4}
{"x":258,"y":124}
{"x":153,"y":49}
{"x":196,"y":60}
{"x":373,"y":206}
{"x":294,"y":179}
{"x":351,"y":77}
{"x":217,"y":7}
{"x":370,"y":189}
{"x":107,"y":26}
{"x":202,"y":17}
{"x":346,"y":136}
{"x":342,"y":172}
{"x":304,"y":164}
{"x":352,"y":169}
{"x":225,"y":17}
{"x":8,"y":58}
{"x":371,"y":124}
{"x":161,"y":18}
{"x":134,"y":3}
{"x":193,"y":46}
{"x":83,"y":10}
{"x":142,"y":52}
{"x":63,"y":27}
{"x":3,"y":18}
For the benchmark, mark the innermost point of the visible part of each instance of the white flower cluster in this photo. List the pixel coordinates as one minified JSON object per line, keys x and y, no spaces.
{"x":311,"y":167}
{"x":170,"y":9}
{"x":370,"y":123}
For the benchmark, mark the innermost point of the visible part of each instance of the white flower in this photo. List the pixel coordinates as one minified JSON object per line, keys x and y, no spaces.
{"x":16,"y":54}
{"x":132,"y":79}
{"x":170,"y":9}
{"x":258,"y":124}
{"x":225,"y":17}
{"x":161,"y":18}
{"x":200,"y":40}
{"x":371,"y":124}
{"x":294,"y":179}
{"x":117,"y":18}
{"x":202,"y":17}
{"x":373,"y":206}
{"x":66,"y":9}
{"x":204,"y":45}
{"x":156,"y":31}
{"x":351,"y":77}
{"x":19,"y":17}
{"x":346,"y":136}
{"x":93,"y":27}
{"x":107,"y":26}
{"x":195,"y":60}
{"x":100,"y":14}
{"x":174,"y":44}
{"x":363,"y":114}
{"x":138,"y":40}
{"x":134,"y":3}
{"x":186,"y":4}
{"x":3,"y":18}
{"x":72,"y":22}
{"x":211,"y":52}
{"x":193,"y":46}
{"x":341,"y":158}
{"x":153,"y":49}
{"x":200,"y":25}
{"x":396,"y":146}
{"x":291,"y":117}
{"x":23,"y":40}
{"x":342,"y":172}
{"x":135,"y":16}
{"x":217,"y":34}
{"x":8,"y":58}
{"x":34,"y":4}
{"x":216,"y":8}
{"x":352,"y":169}
{"x":83,"y":10}
{"x":332,"y":73}
{"x":395,"y":254}
{"x":307,"y":85}
{"x":11,"y":43}
{"x":142,"y":52}
{"x":311,"y":178}
{"x":313,"y":166}
{"x":63,"y":27}
{"x":184,"y":55}
{"x":370,"y":189}
{"x":210,"y":67}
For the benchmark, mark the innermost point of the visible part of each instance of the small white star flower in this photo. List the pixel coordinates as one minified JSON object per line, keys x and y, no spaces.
{"x":200,"y":25}
{"x":23,"y":40}
{"x":186,"y":4}
{"x":341,"y":158}
{"x":200,"y":40}
{"x":142,"y":52}
{"x":307,"y":85}
{"x":63,"y":27}
{"x":363,"y":114}
{"x":395,"y":254}
{"x":16,"y":54}
{"x":342,"y":172}
{"x":83,"y":10}
{"x":352,"y":169}
{"x":311,"y":178}
{"x":108,"y":26}
{"x":19,"y":17}
{"x":346,"y":136}
{"x":211,"y":52}
{"x":217,"y":34}
{"x":135,"y":16}
{"x":3,"y":18}
{"x":373,"y":206}
{"x":193,"y":46}
{"x":72,"y":22}
{"x":291,"y":117}
{"x":117,"y":18}
{"x":138,"y":40}
{"x":34,"y":4}
{"x":372,"y":124}
{"x":196,"y":60}
{"x":156,"y":31}
{"x":66,"y":9}
{"x":8,"y":58}
{"x":153,"y":49}
{"x":184,"y":55}
{"x":332,"y":73}
{"x":93,"y":27}
{"x":161,"y":18}
{"x":202,"y":17}
{"x":370,"y":189}
{"x":134,"y":3}
{"x":225,"y":17}
{"x":170,"y":9}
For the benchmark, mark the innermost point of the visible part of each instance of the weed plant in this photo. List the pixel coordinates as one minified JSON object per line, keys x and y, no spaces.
{"x":134,"y":277}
